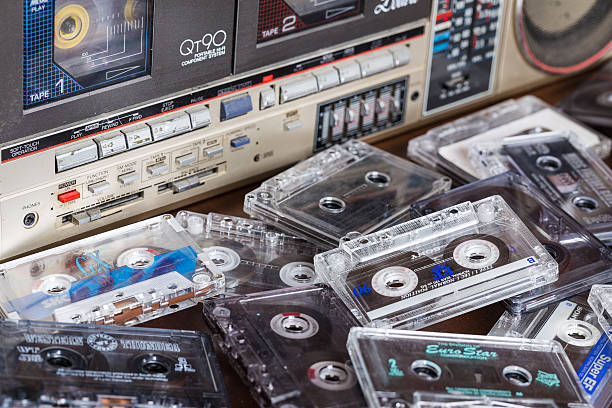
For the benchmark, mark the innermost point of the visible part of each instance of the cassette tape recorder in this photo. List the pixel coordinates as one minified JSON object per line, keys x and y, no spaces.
{"x":113,"y":108}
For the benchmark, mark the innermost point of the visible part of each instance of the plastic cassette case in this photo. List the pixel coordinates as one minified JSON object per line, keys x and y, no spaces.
{"x":583,"y":260}
{"x":45,"y":364}
{"x":253,"y":256}
{"x":346,"y":190}
{"x":574,"y":178}
{"x":445,"y":148}
{"x":574,"y":325}
{"x":437,"y":266}
{"x":125,"y":276}
{"x":433,"y":400}
{"x":392,"y":365}
{"x":600,"y":300}
{"x":289,"y":346}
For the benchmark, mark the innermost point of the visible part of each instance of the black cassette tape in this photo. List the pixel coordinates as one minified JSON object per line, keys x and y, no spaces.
{"x":253,"y":256}
{"x":341,"y":192}
{"x":573,"y":177}
{"x":124,"y":276}
{"x":437,"y":266}
{"x":392,"y":365}
{"x":574,"y":325}
{"x":289,"y":346}
{"x":44,"y":364}
{"x":583,"y":260}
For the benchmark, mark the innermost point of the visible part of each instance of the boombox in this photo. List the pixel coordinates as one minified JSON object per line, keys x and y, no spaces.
{"x":115,"y":108}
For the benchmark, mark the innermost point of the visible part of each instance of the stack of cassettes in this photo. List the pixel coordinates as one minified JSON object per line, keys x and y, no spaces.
{"x":600,"y":299}
{"x":392,"y":364}
{"x":289,"y":346}
{"x":574,"y":178}
{"x":445,"y":148}
{"x":574,"y":325}
{"x":583,"y":260}
{"x":45,"y":364}
{"x":253,"y":256}
{"x":438,"y":266}
{"x":125,"y":276}
{"x":344,"y":191}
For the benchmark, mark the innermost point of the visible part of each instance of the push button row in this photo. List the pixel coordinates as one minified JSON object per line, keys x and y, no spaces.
{"x":107,"y":145}
{"x":343,"y":72}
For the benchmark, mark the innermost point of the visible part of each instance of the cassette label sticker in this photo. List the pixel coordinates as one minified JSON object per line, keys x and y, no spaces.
{"x":52,"y":364}
{"x":74,"y":46}
{"x":278,"y":18}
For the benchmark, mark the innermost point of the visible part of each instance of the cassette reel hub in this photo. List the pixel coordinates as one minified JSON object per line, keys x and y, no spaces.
{"x":377,"y":178}
{"x":517,"y":375}
{"x":60,"y":357}
{"x":394,"y":281}
{"x":578,"y":333}
{"x":55,"y":284}
{"x":225,"y":258}
{"x":332,"y":376}
{"x":332,"y":204}
{"x":71,"y":26}
{"x":476,"y":254}
{"x":427,"y":370}
{"x":294,"y":325}
{"x":297,"y":273}
{"x":137,"y":258}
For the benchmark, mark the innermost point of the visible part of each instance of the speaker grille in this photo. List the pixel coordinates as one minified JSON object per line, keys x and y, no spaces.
{"x":564,"y":36}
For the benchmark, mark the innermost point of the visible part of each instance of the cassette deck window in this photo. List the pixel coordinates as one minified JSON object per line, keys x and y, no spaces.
{"x":278,"y":18}
{"x":75,"y":46}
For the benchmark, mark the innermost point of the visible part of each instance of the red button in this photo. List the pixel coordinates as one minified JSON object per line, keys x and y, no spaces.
{"x":69,"y":196}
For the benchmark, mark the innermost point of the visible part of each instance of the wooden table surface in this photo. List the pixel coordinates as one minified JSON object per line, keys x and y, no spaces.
{"x":477,"y":322}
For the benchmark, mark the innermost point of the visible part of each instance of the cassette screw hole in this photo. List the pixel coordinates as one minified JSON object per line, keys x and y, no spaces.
{"x":517,"y":375}
{"x":548,"y":163}
{"x":427,"y":370}
{"x":399,"y":404}
{"x":227,"y":219}
{"x":453,"y":211}
{"x":174,"y":306}
{"x":120,"y":294}
{"x":363,"y":241}
{"x":76,"y":317}
{"x":378,"y":179}
{"x":332,"y":205}
{"x":172,"y":286}
{"x":585,"y":203}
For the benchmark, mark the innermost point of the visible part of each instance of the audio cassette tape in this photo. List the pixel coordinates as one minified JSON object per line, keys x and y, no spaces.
{"x":289,"y":346}
{"x":252,"y":256}
{"x":591,"y":102}
{"x":45,"y":364}
{"x":445,"y":148}
{"x":124,"y":277}
{"x":600,"y":299}
{"x":583,"y":260}
{"x":437,"y":266}
{"x":434,"y":400}
{"x":573,"y":177}
{"x":392,"y":365}
{"x":344,"y":191}
{"x":574,"y":325}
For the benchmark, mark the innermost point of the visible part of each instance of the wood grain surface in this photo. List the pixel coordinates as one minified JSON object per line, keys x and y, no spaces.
{"x":477,"y":322}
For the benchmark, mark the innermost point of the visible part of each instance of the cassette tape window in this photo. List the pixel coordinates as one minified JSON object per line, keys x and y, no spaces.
{"x":74,"y":46}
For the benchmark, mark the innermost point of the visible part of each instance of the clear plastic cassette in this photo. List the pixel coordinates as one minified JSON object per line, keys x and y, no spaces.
{"x":583,"y":260}
{"x":253,"y":256}
{"x":346,"y":190}
{"x":392,"y":365}
{"x":433,"y":400}
{"x":288,"y":346}
{"x":572,"y":177}
{"x":125,"y":276}
{"x":574,"y":325}
{"x":45,"y":364}
{"x":437,"y":266}
{"x":445,"y":148}
{"x":600,"y":300}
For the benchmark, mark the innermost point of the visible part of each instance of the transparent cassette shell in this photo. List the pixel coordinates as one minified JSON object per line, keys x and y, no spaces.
{"x":583,"y":260}
{"x":574,"y":325}
{"x":253,"y":256}
{"x":437,"y":266}
{"x":600,"y":300}
{"x":432,"y":400}
{"x":445,"y":148}
{"x":393,"y":365}
{"x":47,"y":364}
{"x":572,"y":177}
{"x":125,"y":276}
{"x":346,"y":190}
{"x":288,"y":346}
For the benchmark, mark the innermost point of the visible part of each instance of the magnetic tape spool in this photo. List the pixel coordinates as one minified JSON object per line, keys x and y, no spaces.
{"x":232,"y":258}
{"x":295,"y":270}
{"x":72,"y":24}
{"x":476,"y":252}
